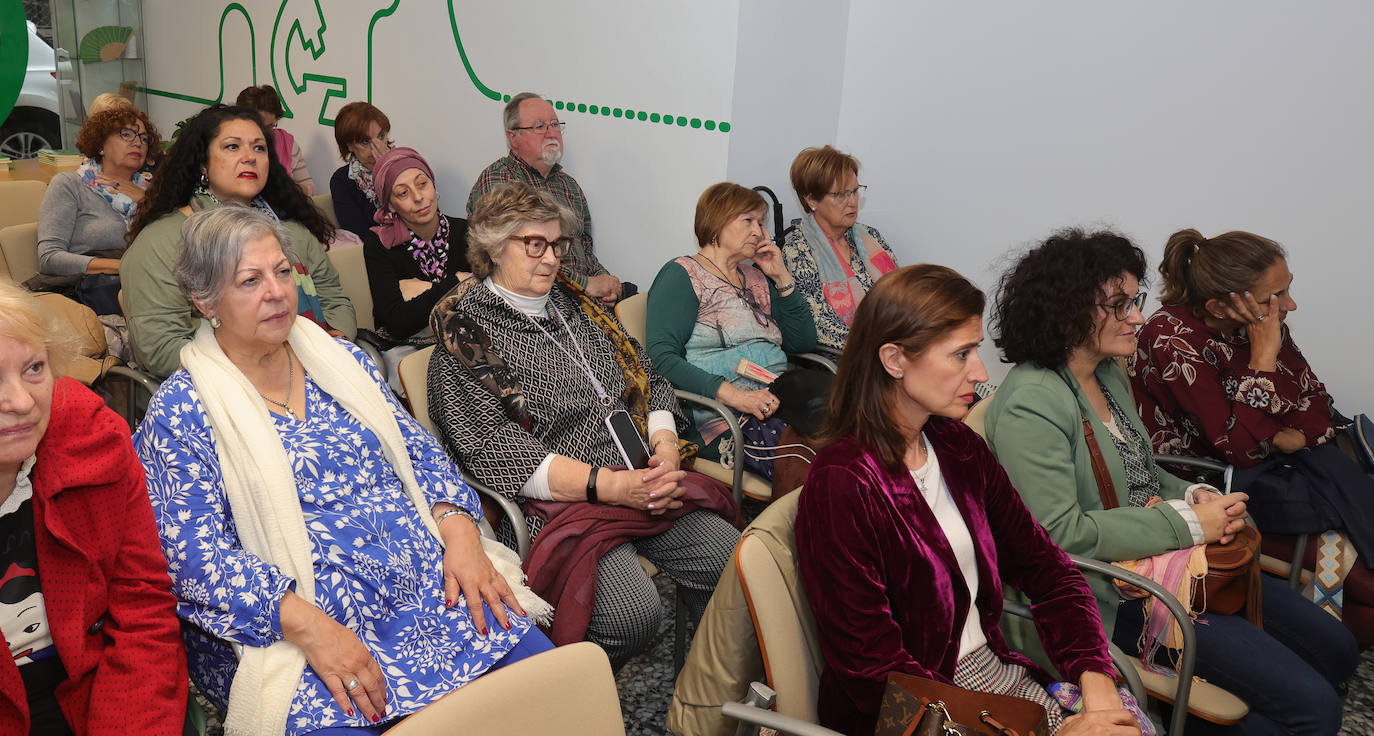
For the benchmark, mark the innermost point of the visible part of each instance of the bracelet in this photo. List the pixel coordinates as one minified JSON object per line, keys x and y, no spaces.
{"x":787,"y":290}
{"x":456,"y":510}
{"x":591,"y":484}
{"x":653,"y":448}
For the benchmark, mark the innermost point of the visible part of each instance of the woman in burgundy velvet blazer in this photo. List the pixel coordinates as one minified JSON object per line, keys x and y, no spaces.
{"x":890,"y":552}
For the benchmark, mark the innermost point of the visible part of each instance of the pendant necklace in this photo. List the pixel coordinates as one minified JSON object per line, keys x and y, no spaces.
{"x":924,"y":470}
{"x":290,"y":381}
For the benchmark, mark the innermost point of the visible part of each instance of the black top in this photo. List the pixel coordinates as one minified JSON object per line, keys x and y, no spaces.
{"x":353,"y":209}
{"x":395,"y":317}
{"x":21,"y":606}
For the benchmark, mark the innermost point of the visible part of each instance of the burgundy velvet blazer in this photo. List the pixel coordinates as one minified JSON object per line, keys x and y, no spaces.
{"x":886,"y":589}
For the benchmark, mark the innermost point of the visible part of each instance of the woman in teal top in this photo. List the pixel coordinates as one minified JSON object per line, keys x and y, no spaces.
{"x":1066,"y":311}
{"x":709,"y":310}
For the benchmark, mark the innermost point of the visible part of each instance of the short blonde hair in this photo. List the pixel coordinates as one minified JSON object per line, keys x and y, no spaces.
{"x":501,"y":211}
{"x":720,"y":204}
{"x":24,"y":320}
{"x":815,"y":170}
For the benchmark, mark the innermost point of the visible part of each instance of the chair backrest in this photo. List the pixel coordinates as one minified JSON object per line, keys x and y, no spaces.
{"x":792,"y":660}
{"x":633,"y":314}
{"x":325,"y":203}
{"x":568,"y":690}
{"x":20,"y":246}
{"x":352,"y":270}
{"x":19,"y":201}
{"x":414,"y":371}
{"x":977,"y":416}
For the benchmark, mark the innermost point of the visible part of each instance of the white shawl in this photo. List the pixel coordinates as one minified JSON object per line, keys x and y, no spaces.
{"x":260,"y":486}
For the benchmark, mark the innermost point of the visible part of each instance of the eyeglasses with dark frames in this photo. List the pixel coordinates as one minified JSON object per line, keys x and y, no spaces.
{"x":1121,"y":309}
{"x":543,"y":126}
{"x":129,"y":135}
{"x":536,"y":245}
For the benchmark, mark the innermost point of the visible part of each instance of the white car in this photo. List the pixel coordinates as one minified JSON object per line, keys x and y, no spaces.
{"x":34,"y":123}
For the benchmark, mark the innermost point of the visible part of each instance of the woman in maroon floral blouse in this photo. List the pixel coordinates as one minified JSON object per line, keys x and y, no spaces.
{"x":1217,"y":374}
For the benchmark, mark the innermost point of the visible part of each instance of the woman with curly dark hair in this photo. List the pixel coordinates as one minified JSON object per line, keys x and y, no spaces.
{"x":86,"y":213}
{"x":222,"y":157}
{"x":1066,"y":311}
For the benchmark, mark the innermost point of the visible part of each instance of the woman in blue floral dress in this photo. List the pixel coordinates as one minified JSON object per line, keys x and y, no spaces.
{"x":311,"y":525}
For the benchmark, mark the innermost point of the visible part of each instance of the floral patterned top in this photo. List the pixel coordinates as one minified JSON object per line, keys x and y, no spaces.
{"x":377,"y":569}
{"x":1198,"y":396}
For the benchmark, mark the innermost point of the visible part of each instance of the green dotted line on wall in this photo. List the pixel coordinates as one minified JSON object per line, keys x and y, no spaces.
{"x":640,"y":115}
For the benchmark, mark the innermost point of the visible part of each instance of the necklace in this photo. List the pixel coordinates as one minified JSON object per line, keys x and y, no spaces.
{"x":924,"y":470}
{"x":743,"y":292}
{"x":290,"y":381}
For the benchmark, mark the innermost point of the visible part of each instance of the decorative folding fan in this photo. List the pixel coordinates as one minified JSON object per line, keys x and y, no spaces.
{"x":105,"y":43}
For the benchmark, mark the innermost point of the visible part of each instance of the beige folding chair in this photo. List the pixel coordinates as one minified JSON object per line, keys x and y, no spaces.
{"x":19,"y":201}
{"x":325,"y":204}
{"x":352,"y":269}
{"x":20,"y":246}
{"x":569,"y":690}
{"x":632,"y":314}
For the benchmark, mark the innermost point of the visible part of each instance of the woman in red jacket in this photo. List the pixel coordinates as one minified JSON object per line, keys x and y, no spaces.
{"x":86,"y":607}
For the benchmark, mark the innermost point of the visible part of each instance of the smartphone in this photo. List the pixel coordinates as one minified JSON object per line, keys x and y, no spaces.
{"x":626,"y":437}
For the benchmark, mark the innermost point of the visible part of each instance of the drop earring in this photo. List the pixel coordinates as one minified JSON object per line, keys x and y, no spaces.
{"x":215,"y":322}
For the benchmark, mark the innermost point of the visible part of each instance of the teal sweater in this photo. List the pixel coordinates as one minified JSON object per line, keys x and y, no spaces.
{"x":673,"y":308}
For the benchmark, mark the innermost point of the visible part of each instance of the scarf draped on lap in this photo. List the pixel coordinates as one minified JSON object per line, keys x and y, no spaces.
{"x":842,"y":287}
{"x":122,"y":203}
{"x":259,"y":484}
{"x":1180,"y":572}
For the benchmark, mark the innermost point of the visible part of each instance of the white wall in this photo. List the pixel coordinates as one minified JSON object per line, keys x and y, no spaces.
{"x":984,"y":126}
{"x":789,"y":73}
{"x":981,"y":126}
{"x":641,"y":178}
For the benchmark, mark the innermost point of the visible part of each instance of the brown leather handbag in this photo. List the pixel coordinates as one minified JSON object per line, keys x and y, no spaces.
{"x":918,"y":706}
{"x":1233,"y":570}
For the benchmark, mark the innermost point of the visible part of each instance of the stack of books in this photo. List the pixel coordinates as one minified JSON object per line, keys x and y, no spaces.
{"x":60,"y":159}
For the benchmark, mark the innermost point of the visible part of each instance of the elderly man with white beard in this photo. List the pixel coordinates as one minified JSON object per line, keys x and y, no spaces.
{"x":535,"y":137}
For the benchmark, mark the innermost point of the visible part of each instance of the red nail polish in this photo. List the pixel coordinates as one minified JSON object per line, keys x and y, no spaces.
{"x":484,"y":631}
{"x":448,"y":603}
{"x":376,"y":718}
{"x":349,"y":712}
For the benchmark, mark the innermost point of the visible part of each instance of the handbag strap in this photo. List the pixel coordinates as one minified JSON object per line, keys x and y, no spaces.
{"x":1105,"y":487}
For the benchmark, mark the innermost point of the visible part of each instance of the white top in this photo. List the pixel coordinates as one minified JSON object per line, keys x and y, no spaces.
{"x":537,"y":306}
{"x":941,"y":503}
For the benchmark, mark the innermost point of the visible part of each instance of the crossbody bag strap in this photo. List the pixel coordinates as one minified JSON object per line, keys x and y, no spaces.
{"x":1105,"y":487}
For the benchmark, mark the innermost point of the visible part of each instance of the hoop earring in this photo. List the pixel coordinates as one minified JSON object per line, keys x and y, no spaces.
{"x":215,"y":322}
{"x":204,"y":179}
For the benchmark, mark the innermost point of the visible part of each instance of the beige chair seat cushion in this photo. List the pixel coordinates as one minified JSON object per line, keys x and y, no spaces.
{"x":1205,"y":700}
{"x":569,"y":690}
{"x":754,"y":486}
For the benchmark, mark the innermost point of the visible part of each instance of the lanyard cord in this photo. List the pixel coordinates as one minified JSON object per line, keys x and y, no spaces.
{"x":581,"y":357}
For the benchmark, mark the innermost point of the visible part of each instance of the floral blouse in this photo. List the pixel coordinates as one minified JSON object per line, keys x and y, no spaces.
{"x":1198,"y":396}
{"x":377,"y":569}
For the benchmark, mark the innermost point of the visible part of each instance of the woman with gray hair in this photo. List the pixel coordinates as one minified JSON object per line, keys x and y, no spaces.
{"x":324,"y":550}
{"x":538,"y":392}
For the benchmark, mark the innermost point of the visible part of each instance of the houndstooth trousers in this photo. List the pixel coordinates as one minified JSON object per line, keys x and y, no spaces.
{"x":628,"y":611}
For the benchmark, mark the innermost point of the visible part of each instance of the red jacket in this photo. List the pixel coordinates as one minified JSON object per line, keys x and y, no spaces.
{"x":105,"y":585}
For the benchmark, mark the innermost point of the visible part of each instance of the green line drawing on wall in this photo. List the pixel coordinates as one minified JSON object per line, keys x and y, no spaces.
{"x":380,"y":14}
{"x":336,"y":87}
{"x":580,"y":107}
{"x":252,"y":44}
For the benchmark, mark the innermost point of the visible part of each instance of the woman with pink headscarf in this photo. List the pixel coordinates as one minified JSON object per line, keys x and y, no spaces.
{"x":415,"y":254}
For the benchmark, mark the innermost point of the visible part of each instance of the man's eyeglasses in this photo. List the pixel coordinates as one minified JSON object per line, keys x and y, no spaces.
{"x":129,"y":135}
{"x":1121,"y":309}
{"x":542,"y":126}
{"x":536,"y":245}
{"x":847,"y":194}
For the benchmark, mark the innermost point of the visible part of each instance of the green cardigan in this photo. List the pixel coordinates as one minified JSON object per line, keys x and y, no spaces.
{"x":1035,"y":427}
{"x":162,"y":319}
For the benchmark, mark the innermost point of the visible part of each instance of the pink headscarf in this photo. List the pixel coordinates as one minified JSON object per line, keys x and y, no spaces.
{"x":390,"y":229}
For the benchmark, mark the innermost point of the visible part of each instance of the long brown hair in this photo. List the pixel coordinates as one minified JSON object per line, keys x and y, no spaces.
{"x":913,"y":307}
{"x":1196,"y":269}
